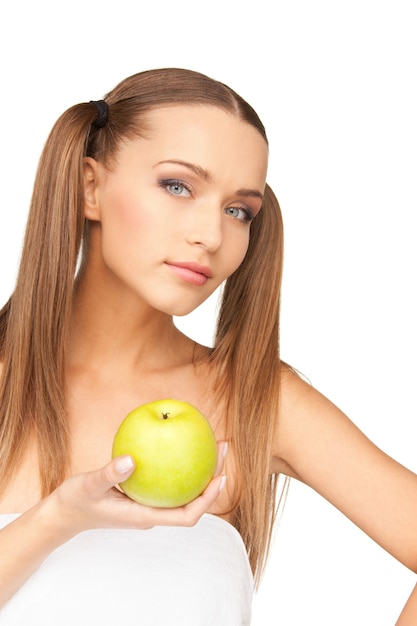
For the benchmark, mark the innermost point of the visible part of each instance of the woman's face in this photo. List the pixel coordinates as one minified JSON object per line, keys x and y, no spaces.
{"x":174,"y":211}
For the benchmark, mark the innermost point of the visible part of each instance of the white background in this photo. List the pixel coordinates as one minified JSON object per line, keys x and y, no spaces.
{"x":335,"y":84}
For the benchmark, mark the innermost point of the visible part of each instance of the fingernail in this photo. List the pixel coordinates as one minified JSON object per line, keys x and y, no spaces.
{"x":222,"y":483}
{"x":225,"y":449}
{"x":124,"y":464}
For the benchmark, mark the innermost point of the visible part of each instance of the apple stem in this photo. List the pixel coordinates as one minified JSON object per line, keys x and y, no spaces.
{"x":165,"y":416}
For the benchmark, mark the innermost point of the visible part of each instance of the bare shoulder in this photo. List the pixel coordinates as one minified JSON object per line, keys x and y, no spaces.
{"x":312,"y":433}
{"x":322,"y":447}
{"x":300,"y":408}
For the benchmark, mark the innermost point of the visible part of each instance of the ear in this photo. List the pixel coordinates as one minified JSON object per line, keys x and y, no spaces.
{"x":91,"y":183}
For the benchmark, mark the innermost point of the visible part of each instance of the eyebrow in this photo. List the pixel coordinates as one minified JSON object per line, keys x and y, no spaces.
{"x":197,"y":169}
{"x":203,"y":173}
{"x":250,"y":193}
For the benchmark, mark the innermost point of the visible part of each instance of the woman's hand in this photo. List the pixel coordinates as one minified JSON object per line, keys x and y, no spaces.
{"x":92,"y":500}
{"x":86,"y":501}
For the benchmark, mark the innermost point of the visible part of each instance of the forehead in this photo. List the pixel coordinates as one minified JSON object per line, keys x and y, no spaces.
{"x":208,"y":136}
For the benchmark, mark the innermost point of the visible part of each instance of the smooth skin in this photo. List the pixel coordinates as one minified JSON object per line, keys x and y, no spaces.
{"x":182,"y":195}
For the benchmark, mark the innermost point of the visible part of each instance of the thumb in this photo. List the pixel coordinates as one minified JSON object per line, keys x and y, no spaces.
{"x":123,"y":465}
{"x":116,"y":471}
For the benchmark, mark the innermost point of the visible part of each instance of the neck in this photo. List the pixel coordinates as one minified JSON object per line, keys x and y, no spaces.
{"x":114,"y":331}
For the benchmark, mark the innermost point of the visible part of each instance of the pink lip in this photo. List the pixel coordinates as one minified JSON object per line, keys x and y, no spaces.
{"x":192,"y":273}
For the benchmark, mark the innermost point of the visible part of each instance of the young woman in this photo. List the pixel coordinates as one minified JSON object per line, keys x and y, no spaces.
{"x":145,"y":203}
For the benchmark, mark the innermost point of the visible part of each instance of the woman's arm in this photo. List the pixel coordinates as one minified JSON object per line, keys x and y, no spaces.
{"x":324,"y":449}
{"x":408,"y":615}
{"x":84,"y":502}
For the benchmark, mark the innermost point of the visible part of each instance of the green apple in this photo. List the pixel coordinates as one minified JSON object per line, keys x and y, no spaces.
{"x":174,"y":449}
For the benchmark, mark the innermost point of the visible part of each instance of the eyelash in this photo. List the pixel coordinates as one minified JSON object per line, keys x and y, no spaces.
{"x":248,"y":214}
{"x":174,"y":182}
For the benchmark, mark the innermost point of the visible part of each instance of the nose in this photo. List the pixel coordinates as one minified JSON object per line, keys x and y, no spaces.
{"x":205,"y":228}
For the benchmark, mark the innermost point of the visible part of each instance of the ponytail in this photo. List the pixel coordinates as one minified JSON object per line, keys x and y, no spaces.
{"x":35,"y":321}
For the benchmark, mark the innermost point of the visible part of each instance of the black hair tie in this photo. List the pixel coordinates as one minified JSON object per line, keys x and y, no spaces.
{"x":103,"y":111}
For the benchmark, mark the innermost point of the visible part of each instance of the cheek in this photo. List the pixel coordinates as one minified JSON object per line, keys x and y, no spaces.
{"x":235,"y":251}
{"x":125,"y":230}
{"x":127,"y":222}
{"x":123,"y":212}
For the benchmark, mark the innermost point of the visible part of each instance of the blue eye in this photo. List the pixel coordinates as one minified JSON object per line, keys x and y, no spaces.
{"x":239,"y":213}
{"x":175,"y":187}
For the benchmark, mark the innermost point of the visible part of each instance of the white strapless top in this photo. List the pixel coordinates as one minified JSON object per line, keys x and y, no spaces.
{"x":166,"y":576}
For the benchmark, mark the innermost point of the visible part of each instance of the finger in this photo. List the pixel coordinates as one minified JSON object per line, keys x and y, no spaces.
{"x":222,"y":448}
{"x":211,"y":492}
{"x":195,"y":509}
{"x":103,"y":479}
{"x":189,"y":514}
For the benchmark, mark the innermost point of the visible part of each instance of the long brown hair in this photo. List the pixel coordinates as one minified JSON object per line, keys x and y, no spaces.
{"x":35,"y":321}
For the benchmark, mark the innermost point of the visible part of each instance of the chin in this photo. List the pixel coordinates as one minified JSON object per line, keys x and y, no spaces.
{"x":180,"y":306}
{"x":182,"y":311}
